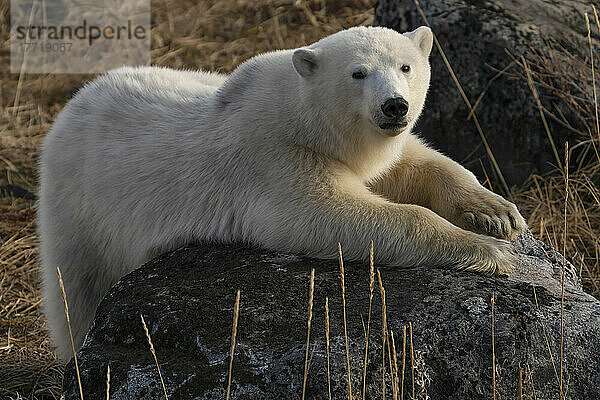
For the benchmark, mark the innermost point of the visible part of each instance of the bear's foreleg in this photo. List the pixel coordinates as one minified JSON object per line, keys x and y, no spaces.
{"x":403,"y":234}
{"x":424,"y":176}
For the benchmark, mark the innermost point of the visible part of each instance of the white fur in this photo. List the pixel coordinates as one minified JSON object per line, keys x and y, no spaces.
{"x":284,"y":153}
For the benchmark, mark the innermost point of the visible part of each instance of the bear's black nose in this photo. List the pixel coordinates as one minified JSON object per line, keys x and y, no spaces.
{"x":395,"y":107}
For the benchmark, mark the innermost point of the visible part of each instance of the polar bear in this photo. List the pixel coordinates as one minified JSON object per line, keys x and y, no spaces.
{"x":295,"y":151}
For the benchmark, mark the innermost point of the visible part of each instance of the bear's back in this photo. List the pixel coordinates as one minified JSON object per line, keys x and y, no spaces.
{"x":154,"y":85}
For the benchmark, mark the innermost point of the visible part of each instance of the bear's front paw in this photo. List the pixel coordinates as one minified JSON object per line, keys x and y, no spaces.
{"x":490,"y":214}
{"x":489,"y":256}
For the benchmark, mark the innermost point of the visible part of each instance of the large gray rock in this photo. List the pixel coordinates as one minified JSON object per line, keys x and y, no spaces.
{"x":474,"y":36}
{"x":187,"y":299}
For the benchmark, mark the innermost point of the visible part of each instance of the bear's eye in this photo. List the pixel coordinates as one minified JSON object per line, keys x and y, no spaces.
{"x":359,"y":75}
{"x":405,"y":68}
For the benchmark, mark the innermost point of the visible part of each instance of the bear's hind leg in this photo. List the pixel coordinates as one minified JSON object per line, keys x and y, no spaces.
{"x":85,"y":285}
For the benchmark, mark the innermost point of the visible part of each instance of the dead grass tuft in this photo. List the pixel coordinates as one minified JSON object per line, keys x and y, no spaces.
{"x":564,"y":73}
{"x":29,"y":366}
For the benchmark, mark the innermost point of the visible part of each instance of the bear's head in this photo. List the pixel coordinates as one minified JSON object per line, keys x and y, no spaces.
{"x":371,"y":78}
{"x":361,"y":89}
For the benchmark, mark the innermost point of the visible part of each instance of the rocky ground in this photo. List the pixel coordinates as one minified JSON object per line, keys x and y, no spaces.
{"x":461,"y":322}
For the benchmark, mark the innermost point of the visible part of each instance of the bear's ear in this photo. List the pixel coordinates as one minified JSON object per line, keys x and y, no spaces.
{"x":423,"y":38}
{"x":305,"y":62}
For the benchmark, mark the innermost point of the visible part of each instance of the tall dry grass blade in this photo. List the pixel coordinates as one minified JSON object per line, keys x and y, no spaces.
{"x":394,"y":393}
{"x":386,"y":336}
{"x":396,"y":379}
{"x":493,"y":301}
{"x":327,"y":345}
{"x":277,"y":27}
{"x":487,"y":178}
{"x":520,"y":383}
{"x":597,"y":21}
{"x":311,"y":292}
{"x":312,"y":353}
{"x":487,"y":86}
{"x":541,"y":110}
{"x":236,"y":314}
{"x":589,"y":38}
{"x":371,"y":285}
{"x":63,"y":294}
{"x":467,"y":102}
{"x":108,"y":382}
{"x":564,"y":266}
{"x":362,"y":322}
{"x":170,"y":18}
{"x":412,"y":358}
{"x":383,"y":332}
{"x":343,"y":284}
{"x":403,"y":361}
{"x":162,"y":382}
{"x":308,"y":12}
{"x":546,"y":337}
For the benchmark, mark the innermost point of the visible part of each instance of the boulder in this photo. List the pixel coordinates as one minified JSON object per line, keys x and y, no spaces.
{"x":475,"y":36}
{"x":187,"y":299}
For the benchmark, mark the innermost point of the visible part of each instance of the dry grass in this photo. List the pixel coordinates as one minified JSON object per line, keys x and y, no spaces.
{"x":28,"y":363}
{"x":497,"y":171}
{"x":162,"y":382}
{"x":308,"y":325}
{"x":564,"y":73}
{"x":368,"y":331}
{"x":108,"y":382}
{"x":403,"y":361}
{"x":327,"y":346}
{"x":66,"y":307}
{"x":412,"y":357}
{"x":520,"y":387}
{"x":494,"y":389}
{"x":343,"y":286}
{"x":219,"y":35}
{"x":383,"y":332}
{"x":236,"y":314}
{"x":395,"y":355}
